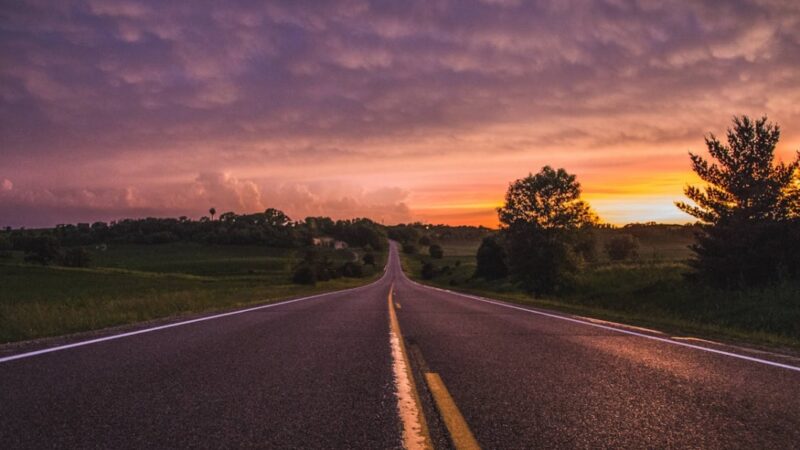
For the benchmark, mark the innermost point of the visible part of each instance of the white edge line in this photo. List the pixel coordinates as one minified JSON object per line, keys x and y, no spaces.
{"x":176,"y":324}
{"x":618,"y":330}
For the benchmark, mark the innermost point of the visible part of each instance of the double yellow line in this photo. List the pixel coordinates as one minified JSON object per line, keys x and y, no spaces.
{"x":457,"y":427}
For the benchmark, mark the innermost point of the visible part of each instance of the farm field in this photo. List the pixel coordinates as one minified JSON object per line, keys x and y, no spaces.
{"x":134,"y":283}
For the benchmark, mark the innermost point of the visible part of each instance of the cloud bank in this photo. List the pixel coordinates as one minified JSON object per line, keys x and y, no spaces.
{"x":111,"y":107}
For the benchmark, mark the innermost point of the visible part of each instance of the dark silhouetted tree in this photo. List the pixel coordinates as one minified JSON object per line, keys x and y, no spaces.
{"x":747,"y":209}
{"x":547,"y":228}
{"x":351,"y":269}
{"x":428,"y":271}
{"x":436,"y":251}
{"x":42,"y":250}
{"x":212,"y":211}
{"x":304,"y":274}
{"x":368,"y":259}
{"x":491,"y":259}
{"x":77,"y":257}
{"x":550,"y":200}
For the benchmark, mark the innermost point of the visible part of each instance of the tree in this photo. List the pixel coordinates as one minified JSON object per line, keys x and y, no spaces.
{"x":745,"y":183}
{"x":428,"y":271}
{"x":304,"y":274}
{"x":212,"y":211}
{"x":5,"y":247}
{"x":542,"y":260}
{"x":436,"y":251}
{"x":546,"y":228}
{"x":77,"y":257}
{"x":491,"y":259}
{"x":747,"y":209}
{"x":276,"y":218}
{"x":351,"y":269}
{"x":42,"y":249}
{"x":368,"y":259}
{"x":622,"y":247}
{"x":409,"y":248}
{"x":550,"y":199}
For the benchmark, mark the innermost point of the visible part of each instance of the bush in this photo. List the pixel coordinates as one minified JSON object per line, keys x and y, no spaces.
{"x":42,"y":250}
{"x":77,"y":257}
{"x":425,"y":241}
{"x":491,"y":259}
{"x":428,"y":271}
{"x":409,"y":248}
{"x":436,"y":251}
{"x":325,"y":273}
{"x":351,"y":270}
{"x":304,"y":274}
{"x":368,"y":259}
{"x":5,"y":247}
{"x":622,"y":247}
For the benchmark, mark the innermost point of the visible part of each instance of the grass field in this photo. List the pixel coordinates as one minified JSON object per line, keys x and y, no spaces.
{"x":134,"y":283}
{"x":650,"y":291}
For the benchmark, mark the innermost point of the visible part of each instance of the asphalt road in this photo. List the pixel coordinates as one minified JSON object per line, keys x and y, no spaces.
{"x":317,"y":373}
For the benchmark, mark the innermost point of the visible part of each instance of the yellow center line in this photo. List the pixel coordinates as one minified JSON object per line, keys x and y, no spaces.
{"x":459,"y":431}
{"x":415,"y":428}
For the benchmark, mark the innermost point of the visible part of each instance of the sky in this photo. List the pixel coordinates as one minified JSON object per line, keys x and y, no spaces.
{"x":397,"y":111}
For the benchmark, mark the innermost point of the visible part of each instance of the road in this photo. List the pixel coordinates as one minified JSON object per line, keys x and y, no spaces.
{"x":321,"y":372}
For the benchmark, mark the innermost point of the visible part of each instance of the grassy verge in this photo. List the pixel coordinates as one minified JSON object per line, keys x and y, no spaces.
{"x":137,"y":283}
{"x":649,"y":293}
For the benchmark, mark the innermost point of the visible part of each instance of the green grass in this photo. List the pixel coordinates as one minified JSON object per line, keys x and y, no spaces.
{"x":646,"y":292}
{"x":134,"y":283}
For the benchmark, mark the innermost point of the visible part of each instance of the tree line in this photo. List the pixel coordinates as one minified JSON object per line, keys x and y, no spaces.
{"x":65,"y":244}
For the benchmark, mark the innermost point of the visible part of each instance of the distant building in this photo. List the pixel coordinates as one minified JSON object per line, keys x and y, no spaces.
{"x":326,"y":241}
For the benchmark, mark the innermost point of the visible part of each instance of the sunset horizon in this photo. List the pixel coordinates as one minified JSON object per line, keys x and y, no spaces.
{"x":421,"y":224}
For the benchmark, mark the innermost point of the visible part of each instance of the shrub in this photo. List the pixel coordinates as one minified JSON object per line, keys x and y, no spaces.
{"x":304,"y":274}
{"x":368,"y":259}
{"x":436,"y":251}
{"x":77,"y":257}
{"x":351,"y":270}
{"x":42,"y":250}
{"x":324,"y":273}
{"x":428,"y":271}
{"x":409,"y":248}
{"x":622,"y":247}
{"x":491,"y":259}
{"x":5,"y":247}
{"x":425,"y":241}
